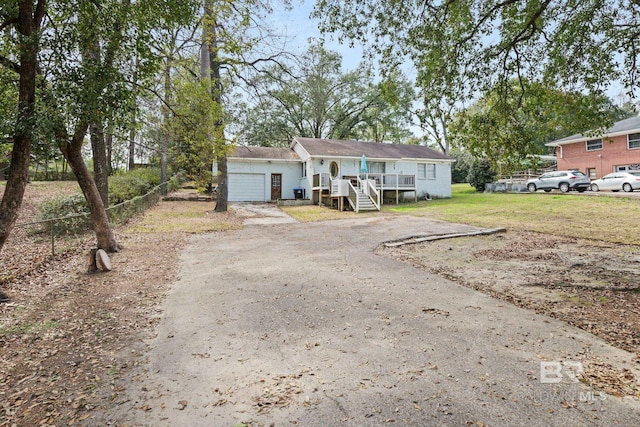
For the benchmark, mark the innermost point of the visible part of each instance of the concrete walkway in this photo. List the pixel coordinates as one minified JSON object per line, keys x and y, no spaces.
{"x":303,"y":324}
{"x":261,"y":214}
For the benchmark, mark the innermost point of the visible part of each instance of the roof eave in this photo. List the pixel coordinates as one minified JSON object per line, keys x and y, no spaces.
{"x":431,"y":159}
{"x":333,"y":156}
{"x":583,"y":138}
{"x":253,"y":159}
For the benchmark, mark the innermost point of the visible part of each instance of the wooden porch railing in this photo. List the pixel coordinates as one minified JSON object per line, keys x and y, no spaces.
{"x":383,"y":181}
{"x":322,"y":180}
{"x":369,"y":188}
{"x":386,"y":181}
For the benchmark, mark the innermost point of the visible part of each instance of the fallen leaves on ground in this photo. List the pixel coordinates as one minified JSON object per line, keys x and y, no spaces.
{"x":66,"y":337}
{"x":590,"y":284}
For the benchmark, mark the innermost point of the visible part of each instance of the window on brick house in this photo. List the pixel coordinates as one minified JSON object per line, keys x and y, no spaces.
{"x":633,"y":141}
{"x":594,"y":144}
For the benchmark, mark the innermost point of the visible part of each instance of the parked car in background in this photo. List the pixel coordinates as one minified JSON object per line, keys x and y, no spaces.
{"x":562,"y":180}
{"x":616,"y":181}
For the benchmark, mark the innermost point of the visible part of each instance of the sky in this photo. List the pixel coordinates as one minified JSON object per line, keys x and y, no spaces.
{"x":299,"y":27}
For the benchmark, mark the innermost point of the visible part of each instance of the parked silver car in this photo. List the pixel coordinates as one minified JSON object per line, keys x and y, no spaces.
{"x":562,"y":180}
{"x":616,"y":181}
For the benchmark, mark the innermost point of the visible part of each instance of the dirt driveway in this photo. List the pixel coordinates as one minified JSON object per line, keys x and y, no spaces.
{"x":307,"y":324}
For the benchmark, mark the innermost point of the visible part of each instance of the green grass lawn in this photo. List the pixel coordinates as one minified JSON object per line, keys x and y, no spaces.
{"x":612,"y":219}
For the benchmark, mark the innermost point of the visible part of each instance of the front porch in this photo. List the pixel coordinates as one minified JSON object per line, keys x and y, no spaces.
{"x":361,"y":192}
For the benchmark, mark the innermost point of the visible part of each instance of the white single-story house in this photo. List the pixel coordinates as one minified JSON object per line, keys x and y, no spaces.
{"x":338,"y":173}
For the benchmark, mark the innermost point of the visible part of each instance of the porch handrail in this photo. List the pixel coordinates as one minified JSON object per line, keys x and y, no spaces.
{"x":368,"y":187}
{"x":353,"y":197}
{"x":391,"y":181}
{"x":373,"y":192}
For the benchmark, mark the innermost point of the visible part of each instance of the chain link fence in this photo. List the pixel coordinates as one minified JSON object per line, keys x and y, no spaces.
{"x":118,"y":215}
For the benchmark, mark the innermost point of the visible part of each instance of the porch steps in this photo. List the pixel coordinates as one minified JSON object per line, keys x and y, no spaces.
{"x":365,"y":203}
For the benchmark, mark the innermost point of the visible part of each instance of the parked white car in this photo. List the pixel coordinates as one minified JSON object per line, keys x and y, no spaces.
{"x":616,"y":181}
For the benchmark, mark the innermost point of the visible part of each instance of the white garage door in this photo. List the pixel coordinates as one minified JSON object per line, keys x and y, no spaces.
{"x":246,"y":187}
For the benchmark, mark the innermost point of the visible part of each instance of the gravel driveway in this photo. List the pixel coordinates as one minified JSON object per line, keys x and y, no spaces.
{"x":303,"y":324}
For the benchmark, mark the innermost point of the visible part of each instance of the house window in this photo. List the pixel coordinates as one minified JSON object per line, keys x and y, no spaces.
{"x":633,"y":141}
{"x":422,"y":171}
{"x":304,"y":169}
{"x":431,"y":171}
{"x":591,"y":173}
{"x":333,"y":170}
{"x":376,"y":167}
{"x":623,"y":168}
{"x":594,"y":144}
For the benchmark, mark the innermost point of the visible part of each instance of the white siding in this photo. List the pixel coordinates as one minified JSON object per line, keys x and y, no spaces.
{"x":246,"y":187}
{"x":438,"y":187}
{"x":291,"y":178}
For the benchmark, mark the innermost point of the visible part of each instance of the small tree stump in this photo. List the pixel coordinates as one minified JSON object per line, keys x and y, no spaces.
{"x":98,"y":260}
{"x":103,"y":260}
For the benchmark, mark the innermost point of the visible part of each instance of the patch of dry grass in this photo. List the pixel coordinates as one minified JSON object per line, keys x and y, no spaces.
{"x":582,"y":216}
{"x":185,"y":217}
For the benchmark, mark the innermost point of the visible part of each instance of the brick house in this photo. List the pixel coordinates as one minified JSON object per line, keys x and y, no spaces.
{"x":616,"y":149}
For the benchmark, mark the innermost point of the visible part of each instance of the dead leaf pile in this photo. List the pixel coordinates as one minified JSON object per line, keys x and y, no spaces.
{"x":280,"y":394}
{"x":66,"y":337}
{"x":604,"y":377}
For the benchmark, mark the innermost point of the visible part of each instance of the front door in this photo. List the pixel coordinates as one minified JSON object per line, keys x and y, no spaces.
{"x":276,"y":186}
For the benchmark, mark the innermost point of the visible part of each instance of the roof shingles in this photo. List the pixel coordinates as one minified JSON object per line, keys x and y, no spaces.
{"x":341,"y":148}
{"x":265,"y":153}
{"x":373,"y":150}
{"x":630,"y":125}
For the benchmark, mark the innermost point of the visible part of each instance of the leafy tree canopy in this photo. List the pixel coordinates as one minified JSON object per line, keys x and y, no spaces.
{"x":507,"y":127}
{"x":191,"y":129}
{"x":586,"y":44}
{"x":463,"y":50}
{"x":315,"y":98}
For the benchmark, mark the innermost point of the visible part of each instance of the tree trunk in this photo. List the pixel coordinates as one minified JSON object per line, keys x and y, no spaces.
{"x":108,"y":140}
{"x":72,"y":151}
{"x":223,"y":188}
{"x":445,"y":137}
{"x":100,"y":164}
{"x":16,"y":185}
{"x":164,"y":176}
{"x":216,"y":95}
{"x":28,"y":25}
{"x":164,"y":140}
{"x":218,"y":136}
{"x":132,"y":148}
